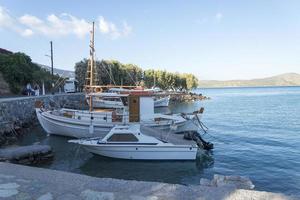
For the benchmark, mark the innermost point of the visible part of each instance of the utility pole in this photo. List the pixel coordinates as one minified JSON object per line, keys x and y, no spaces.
{"x":52,"y":82}
{"x":51,"y":57}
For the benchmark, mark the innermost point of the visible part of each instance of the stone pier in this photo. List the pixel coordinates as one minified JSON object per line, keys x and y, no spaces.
{"x":22,"y":182}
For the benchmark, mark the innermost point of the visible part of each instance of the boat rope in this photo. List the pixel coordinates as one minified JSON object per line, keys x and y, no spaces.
{"x":201,"y":124}
{"x":110,"y":75}
{"x":134,"y":82}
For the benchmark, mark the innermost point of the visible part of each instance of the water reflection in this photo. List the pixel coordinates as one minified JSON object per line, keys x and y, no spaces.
{"x":164,"y":171}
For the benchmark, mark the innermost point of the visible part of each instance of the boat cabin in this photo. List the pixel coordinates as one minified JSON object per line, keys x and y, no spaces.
{"x":138,"y":106}
{"x":127,"y":135}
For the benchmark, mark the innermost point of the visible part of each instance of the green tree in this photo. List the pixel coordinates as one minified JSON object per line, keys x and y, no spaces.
{"x":18,"y":70}
{"x":114,"y":72}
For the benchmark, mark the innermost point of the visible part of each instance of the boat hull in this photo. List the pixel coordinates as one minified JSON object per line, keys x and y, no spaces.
{"x":162,"y":102}
{"x":69,"y":127}
{"x":58,"y":126}
{"x":145,"y":152}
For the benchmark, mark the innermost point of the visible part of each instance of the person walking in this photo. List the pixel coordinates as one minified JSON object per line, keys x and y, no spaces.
{"x":29,"y":89}
{"x":37,"y":90}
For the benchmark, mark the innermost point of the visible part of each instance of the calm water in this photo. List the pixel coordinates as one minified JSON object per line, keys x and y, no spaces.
{"x":256,"y":132}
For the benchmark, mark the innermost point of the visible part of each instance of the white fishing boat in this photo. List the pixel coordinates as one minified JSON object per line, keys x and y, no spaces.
{"x":112,"y":101}
{"x":128,"y":142}
{"x":108,"y":101}
{"x":138,"y":109}
{"x":162,"y":101}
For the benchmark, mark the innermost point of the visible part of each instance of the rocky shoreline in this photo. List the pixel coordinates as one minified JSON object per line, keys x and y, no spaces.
{"x":187,"y":97}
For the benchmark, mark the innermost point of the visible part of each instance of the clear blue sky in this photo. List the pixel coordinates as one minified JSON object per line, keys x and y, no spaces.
{"x":211,"y":39}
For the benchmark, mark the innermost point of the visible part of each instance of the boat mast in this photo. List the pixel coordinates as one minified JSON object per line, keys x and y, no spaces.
{"x":92,"y":55}
{"x":92,"y":63}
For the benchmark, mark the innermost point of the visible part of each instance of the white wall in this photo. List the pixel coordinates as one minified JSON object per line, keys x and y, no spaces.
{"x":146,"y":108}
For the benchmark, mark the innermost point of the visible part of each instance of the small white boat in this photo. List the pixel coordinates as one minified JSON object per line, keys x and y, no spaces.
{"x":162,"y":102}
{"x":116,"y":102}
{"x":128,"y":142}
{"x":110,"y":100}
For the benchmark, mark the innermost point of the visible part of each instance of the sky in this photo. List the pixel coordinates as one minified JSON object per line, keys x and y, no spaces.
{"x":214,"y":40}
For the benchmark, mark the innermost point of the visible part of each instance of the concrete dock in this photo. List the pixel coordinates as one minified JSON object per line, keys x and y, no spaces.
{"x":23,"y":182}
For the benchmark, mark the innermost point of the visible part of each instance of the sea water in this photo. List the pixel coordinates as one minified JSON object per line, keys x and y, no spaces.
{"x":256,"y":133}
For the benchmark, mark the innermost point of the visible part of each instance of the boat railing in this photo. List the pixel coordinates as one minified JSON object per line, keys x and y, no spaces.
{"x":113,"y":116}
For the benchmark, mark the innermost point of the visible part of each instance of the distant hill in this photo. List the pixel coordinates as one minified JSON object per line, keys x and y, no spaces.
{"x":60,"y":72}
{"x":5,"y":51}
{"x":288,"y":79}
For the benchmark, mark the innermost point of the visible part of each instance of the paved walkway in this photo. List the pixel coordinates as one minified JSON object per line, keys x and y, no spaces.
{"x":22,"y":182}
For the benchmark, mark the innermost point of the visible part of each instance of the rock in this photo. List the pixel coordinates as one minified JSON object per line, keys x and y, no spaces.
{"x":187,"y":97}
{"x":205,"y":182}
{"x":238,"y":182}
{"x":26,"y":154}
{"x":218,"y":179}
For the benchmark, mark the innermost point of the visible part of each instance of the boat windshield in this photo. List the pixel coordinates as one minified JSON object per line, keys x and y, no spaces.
{"x":122,"y":137}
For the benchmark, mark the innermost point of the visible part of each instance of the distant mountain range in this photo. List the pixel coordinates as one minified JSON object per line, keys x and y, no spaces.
{"x":288,"y":79}
{"x":60,"y":72}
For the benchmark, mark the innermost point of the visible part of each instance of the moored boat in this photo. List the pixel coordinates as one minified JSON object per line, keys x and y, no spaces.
{"x":85,"y":123}
{"x":162,"y":101}
{"x":112,"y":101}
{"x":128,"y":142}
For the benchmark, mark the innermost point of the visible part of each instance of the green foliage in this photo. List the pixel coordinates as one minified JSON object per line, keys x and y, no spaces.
{"x":18,"y":70}
{"x":116,"y":73}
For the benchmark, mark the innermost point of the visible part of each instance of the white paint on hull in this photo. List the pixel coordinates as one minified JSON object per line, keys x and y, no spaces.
{"x":78,"y":128}
{"x":136,"y":152}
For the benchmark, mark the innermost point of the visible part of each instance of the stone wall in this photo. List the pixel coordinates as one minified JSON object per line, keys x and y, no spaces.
{"x":20,"y":112}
